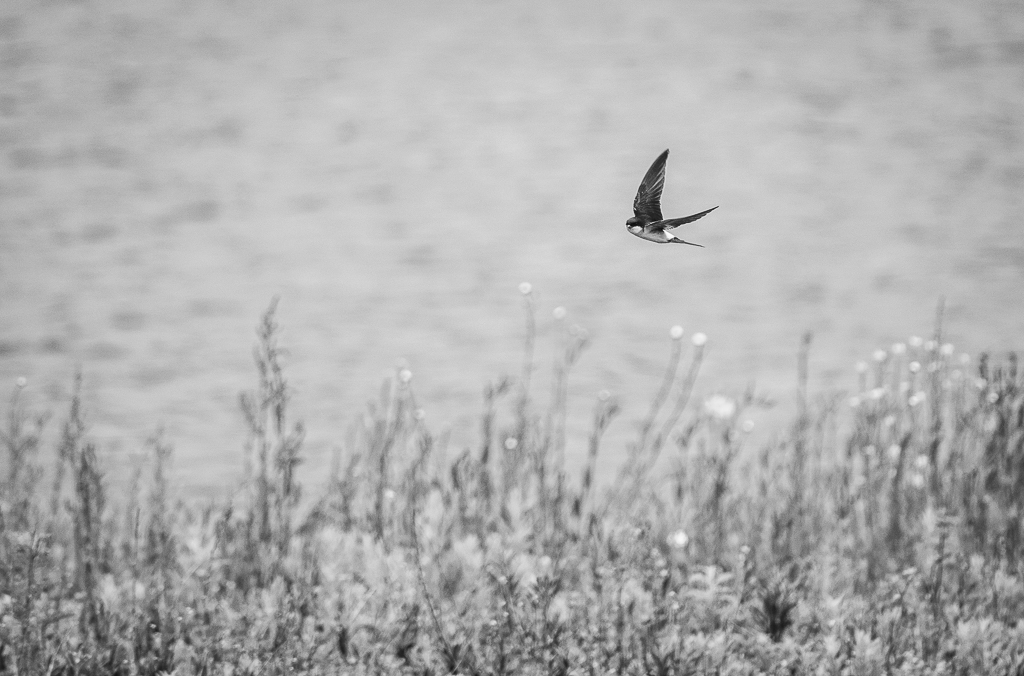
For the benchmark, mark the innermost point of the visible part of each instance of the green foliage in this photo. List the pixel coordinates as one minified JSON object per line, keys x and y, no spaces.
{"x":883,"y":536}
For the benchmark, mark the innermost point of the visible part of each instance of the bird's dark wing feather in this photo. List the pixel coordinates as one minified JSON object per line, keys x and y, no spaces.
{"x":647,"y":203}
{"x":670,"y":223}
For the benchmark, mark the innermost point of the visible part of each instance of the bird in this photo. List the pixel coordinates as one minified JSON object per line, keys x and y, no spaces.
{"x":647,"y":222}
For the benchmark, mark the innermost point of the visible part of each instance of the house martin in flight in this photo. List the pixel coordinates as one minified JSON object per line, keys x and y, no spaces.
{"x":647,"y":222}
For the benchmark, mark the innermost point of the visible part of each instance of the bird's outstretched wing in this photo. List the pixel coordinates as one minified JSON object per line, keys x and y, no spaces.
{"x":670,"y":223}
{"x":647,"y":203}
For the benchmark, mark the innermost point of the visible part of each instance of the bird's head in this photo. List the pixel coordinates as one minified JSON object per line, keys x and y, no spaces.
{"x":634,"y":223}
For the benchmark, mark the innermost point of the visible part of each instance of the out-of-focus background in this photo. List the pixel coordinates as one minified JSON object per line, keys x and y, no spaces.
{"x":394,"y":170}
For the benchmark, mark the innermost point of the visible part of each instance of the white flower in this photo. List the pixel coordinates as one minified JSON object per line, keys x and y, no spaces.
{"x":748,"y":425}
{"x":965,"y":358}
{"x":915,"y":341}
{"x":899,"y":348}
{"x":604,"y":395}
{"x":947,"y":349}
{"x":699,"y":339}
{"x":511,"y":443}
{"x":917,"y":480}
{"x":720,"y":407}
{"x":921,"y":462}
{"x":545,"y":566}
{"x":405,"y":375}
{"x":992,"y":397}
{"x":879,"y":355}
{"x":862,"y":367}
{"x":676,"y":332}
{"x":894,"y":452}
{"x":854,"y":402}
{"x":931,"y":346}
{"x":109,"y":591}
{"x":525,"y":288}
{"x":916,"y":398}
{"x":877,"y":393}
{"x":914,"y":366}
{"x":560,"y":610}
{"x":526,"y":568}
{"x":559,"y":313}
{"x":468,"y":552}
{"x":22,"y":381}
{"x":678,"y":540}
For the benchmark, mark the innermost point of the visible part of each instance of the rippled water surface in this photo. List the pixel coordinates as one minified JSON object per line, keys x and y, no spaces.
{"x":394,"y":170}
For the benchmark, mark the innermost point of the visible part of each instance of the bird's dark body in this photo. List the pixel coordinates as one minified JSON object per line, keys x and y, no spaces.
{"x":647,"y":222}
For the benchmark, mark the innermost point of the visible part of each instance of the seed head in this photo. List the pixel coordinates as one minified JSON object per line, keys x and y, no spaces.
{"x":678,"y":539}
{"x":720,"y":407}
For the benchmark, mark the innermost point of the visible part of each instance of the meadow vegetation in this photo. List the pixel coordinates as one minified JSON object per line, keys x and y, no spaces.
{"x":878,"y":533}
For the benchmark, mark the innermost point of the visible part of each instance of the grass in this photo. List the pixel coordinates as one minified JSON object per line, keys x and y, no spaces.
{"x":881,"y":533}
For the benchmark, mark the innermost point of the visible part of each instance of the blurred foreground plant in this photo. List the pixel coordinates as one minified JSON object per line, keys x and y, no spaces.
{"x":882,"y":536}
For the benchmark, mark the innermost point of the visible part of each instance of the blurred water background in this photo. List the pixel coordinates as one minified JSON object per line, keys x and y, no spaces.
{"x":394,"y":170}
